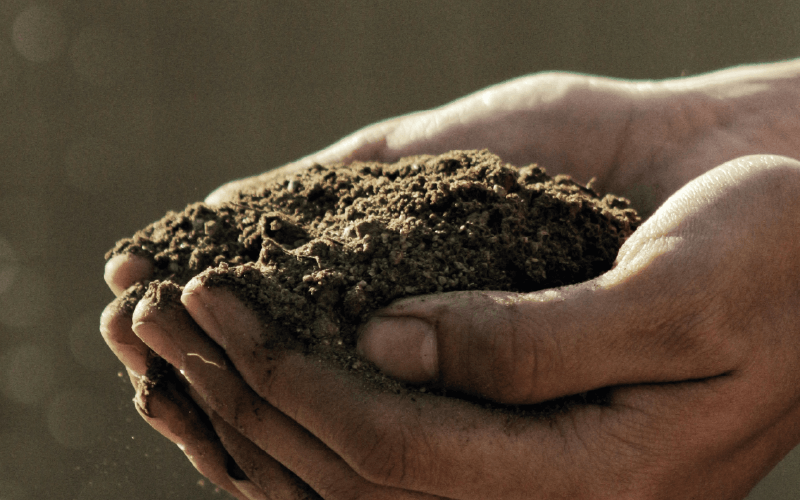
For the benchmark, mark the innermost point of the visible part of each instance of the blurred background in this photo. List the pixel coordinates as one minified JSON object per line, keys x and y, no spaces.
{"x":114,"y":112}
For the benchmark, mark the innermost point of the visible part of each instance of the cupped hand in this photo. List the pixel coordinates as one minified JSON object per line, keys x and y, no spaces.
{"x":693,"y":335}
{"x":162,"y":397}
{"x":633,"y":137}
{"x":643,"y":139}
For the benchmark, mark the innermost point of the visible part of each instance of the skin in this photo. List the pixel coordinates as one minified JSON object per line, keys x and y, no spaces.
{"x":694,"y":332}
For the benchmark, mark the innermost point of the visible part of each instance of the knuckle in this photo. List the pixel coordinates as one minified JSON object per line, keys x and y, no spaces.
{"x":520,"y":357}
{"x":505,"y":355}
{"x":386,"y":451}
{"x":380,"y":459}
{"x":488,"y":351}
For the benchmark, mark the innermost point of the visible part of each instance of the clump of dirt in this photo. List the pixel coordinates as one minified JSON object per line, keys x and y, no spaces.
{"x":319,"y":251}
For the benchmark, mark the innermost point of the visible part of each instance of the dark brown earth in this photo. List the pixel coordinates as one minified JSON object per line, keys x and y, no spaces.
{"x":315,"y":254}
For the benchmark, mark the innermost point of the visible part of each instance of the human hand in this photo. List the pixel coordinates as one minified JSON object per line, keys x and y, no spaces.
{"x":163,"y":401}
{"x":641,"y":139}
{"x":629,"y":135}
{"x":693,"y":335}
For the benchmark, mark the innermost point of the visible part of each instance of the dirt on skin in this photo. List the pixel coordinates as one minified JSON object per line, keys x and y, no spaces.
{"x":316,"y":253}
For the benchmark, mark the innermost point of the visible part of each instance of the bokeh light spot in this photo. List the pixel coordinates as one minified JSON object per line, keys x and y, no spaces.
{"x":26,"y":300}
{"x":39,"y":33}
{"x":30,"y":374}
{"x":99,"y":56}
{"x":76,"y":419}
{"x":87,"y":345}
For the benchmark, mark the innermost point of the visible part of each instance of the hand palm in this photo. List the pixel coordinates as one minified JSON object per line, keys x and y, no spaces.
{"x":665,"y":330}
{"x":688,"y":271}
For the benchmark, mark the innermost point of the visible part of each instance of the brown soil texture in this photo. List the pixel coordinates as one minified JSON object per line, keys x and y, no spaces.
{"x":316,"y":253}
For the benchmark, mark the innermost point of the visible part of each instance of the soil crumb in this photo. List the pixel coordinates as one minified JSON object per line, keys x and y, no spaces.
{"x":316,"y":253}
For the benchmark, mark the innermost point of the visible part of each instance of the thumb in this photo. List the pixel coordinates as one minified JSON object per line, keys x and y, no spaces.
{"x":528,"y":348}
{"x":661,"y":315}
{"x":675,"y":307}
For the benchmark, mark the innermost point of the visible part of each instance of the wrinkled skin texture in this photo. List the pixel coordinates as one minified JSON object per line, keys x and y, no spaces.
{"x":694,"y":332}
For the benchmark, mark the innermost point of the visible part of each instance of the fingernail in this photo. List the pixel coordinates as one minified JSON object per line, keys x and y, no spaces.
{"x":403,"y":348}
{"x":174,"y":337}
{"x":211,"y":308}
{"x":123,"y":270}
{"x":158,"y":339}
{"x":117,"y":330}
{"x":195,"y":298}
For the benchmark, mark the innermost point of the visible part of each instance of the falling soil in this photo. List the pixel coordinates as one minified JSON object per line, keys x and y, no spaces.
{"x":316,"y":253}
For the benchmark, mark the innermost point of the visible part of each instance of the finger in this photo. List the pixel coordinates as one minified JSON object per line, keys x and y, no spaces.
{"x":267,"y":474}
{"x":574,"y":124}
{"x":172,"y":333}
{"x":571,"y":124}
{"x":170,"y":412}
{"x":261,"y":473}
{"x":669,"y":311}
{"x":632,"y":443}
{"x":116,"y":329}
{"x":527,"y":348}
{"x":126,"y":269}
{"x":383,"y":436}
{"x":450,"y":447}
{"x":239,"y":478}
{"x":413,"y":441}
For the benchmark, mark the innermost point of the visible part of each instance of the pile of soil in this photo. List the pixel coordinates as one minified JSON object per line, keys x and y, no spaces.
{"x":318,"y":252}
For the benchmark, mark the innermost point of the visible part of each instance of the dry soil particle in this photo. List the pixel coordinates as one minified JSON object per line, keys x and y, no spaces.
{"x":318,"y":252}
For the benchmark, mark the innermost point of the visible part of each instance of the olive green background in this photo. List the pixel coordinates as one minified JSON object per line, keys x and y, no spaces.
{"x":115,"y":111}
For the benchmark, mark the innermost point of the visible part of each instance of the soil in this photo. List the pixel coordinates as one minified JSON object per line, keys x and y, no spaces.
{"x":316,"y":253}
